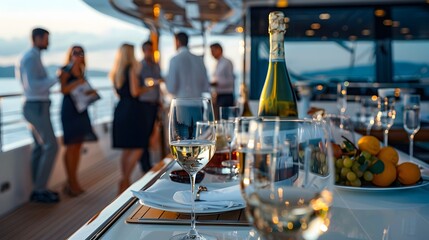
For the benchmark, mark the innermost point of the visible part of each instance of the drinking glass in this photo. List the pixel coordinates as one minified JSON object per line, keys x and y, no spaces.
{"x":341,"y":128}
{"x":192,"y":138}
{"x":411,"y":118}
{"x":227,"y":117}
{"x":288,"y":178}
{"x":369,"y":112}
{"x":342,"y":97}
{"x":221,"y":154}
{"x":386,"y":115}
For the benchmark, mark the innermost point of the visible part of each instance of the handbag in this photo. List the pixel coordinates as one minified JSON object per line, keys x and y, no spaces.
{"x":83,"y":95}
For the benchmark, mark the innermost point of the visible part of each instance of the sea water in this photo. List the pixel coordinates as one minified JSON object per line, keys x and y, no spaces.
{"x":14,"y":129}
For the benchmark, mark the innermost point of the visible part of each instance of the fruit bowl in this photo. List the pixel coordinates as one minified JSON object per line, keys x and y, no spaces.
{"x":369,"y":165}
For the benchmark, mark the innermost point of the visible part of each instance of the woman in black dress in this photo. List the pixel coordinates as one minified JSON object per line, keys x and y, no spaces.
{"x":128,"y":127}
{"x":76,"y":126}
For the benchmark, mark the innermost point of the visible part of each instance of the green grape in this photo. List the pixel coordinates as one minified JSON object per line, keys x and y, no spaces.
{"x":344,"y":172}
{"x":337,"y":178}
{"x":356,"y":163}
{"x":368,"y":176}
{"x":351,"y":176}
{"x":347,"y":162}
{"x":355,"y":167}
{"x":339,"y":163}
{"x":356,"y":183}
{"x":359,"y":174}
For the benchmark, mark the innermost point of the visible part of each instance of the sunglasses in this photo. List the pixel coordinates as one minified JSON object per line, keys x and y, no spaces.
{"x":78,"y":53}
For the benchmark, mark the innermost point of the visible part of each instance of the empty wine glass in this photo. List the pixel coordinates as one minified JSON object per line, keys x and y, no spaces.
{"x":288,"y":178}
{"x":411,"y":118}
{"x":192,"y":138}
{"x":228,"y":115}
{"x":342,"y":97}
{"x":386,"y":115}
{"x":369,"y":112}
{"x":341,"y":127}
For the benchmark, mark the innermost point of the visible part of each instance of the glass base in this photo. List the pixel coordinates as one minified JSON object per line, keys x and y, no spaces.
{"x":192,"y":235}
{"x":232,"y":165}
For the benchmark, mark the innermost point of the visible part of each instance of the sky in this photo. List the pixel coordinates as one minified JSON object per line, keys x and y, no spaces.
{"x":74,"y":22}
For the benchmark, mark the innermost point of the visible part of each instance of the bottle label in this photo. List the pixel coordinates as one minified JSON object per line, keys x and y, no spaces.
{"x":277,"y":52}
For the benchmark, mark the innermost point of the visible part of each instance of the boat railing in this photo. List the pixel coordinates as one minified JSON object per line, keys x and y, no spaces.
{"x":14,"y":131}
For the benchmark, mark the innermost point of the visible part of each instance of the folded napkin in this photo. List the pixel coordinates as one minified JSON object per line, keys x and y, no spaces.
{"x":225,"y":196}
{"x":160,"y":195}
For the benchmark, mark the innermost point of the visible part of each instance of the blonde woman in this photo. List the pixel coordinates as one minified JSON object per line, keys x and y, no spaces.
{"x":128,"y":130}
{"x":76,"y":125}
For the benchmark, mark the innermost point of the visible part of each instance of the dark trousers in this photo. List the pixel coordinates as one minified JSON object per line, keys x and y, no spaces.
{"x":151,"y":112}
{"x":225,"y":100}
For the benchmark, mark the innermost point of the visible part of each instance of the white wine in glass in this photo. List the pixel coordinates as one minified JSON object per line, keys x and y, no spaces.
{"x":192,"y":138}
{"x":411,"y":118}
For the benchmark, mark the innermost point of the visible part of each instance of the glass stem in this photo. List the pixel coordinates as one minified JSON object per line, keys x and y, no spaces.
{"x":231,"y":165}
{"x":368,"y":129}
{"x":411,"y":146}
{"x":193,"y":230}
{"x":386,"y":136}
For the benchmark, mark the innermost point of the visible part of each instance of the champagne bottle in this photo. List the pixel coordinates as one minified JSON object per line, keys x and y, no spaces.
{"x":246,"y":108}
{"x":277,"y":97}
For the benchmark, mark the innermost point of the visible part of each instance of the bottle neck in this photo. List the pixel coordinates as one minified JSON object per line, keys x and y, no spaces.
{"x":277,"y":52}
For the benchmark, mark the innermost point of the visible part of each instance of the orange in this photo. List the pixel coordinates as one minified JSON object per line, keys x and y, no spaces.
{"x":408,"y":173}
{"x":388,"y":154}
{"x":370,"y":144}
{"x":387,"y":177}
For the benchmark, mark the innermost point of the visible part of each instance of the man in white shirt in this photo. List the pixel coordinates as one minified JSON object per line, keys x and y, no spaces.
{"x":36,"y":83}
{"x":223,"y":77}
{"x":187,"y":75}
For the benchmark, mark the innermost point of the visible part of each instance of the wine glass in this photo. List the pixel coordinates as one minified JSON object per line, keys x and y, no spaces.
{"x":386,"y":115}
{"x":288,"y":178}
{"x":227,"y":116}
{"x":342,"y":97}
{"x":411,"y":118}
{"x":192,"y":138}
{"x":341,"y":127}
{"x":369,"y":108}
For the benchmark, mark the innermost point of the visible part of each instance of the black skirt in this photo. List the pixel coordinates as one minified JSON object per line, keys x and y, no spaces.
{"x":128,"y":124}
{"x":76,"y":126}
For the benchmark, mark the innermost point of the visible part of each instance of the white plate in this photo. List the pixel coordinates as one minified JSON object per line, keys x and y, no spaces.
{"x":163,"y":200}
{"x":163,"y":197}
{"x":188,"y":211}
{"x":378,"y":189}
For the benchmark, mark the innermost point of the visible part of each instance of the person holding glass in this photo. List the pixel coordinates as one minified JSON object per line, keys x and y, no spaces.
{"x":150,"y":76}
{"x":128,"y":132}
{"x":76,"y":125}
